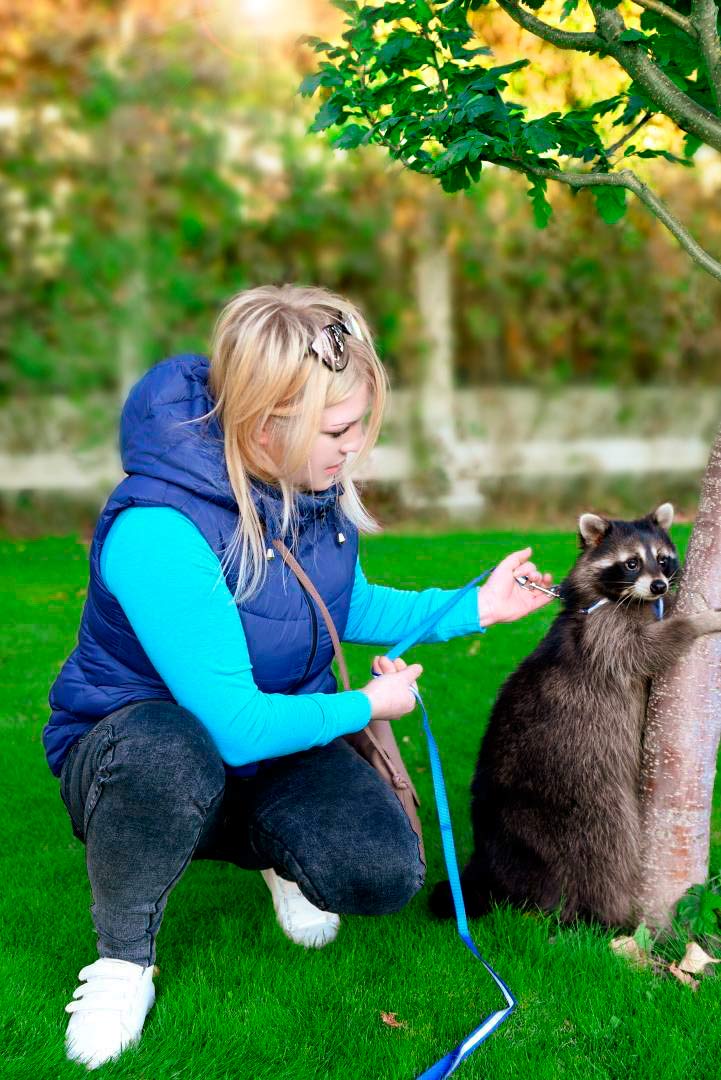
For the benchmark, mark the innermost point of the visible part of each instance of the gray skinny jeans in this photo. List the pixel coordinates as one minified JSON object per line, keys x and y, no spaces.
{"x":147,"y":792}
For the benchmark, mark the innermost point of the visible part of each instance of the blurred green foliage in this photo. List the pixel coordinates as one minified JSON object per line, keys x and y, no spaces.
{"x":146,"y":175}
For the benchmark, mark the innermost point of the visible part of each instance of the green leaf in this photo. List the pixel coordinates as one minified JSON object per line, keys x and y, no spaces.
{"x":540,"y":136}
{"x":327,"y":76}
{"x":387,"y":13}
{"x":568,"y":8}
{"x":542,"y":209}
{"x":633,"y":35}
{"x":474,"y":168}
{"x":642,"y":937}
{"x":424,"y":14}
{"x":610,"y":203}
{"x":468,"y":148}
{"x":492,"y":77}
{"x":698,"y":908}
{"x":403,"y":50}
{"x":477,"y":105}
{"x":634,"y":105}
{"x":665,"y":154}
{"x":454,"y":179}
{"x":331,"y":112}
{"x":351,"y":136}
{"x":310,"y":84}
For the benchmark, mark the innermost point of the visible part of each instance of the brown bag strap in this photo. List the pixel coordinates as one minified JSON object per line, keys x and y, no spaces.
{"x":300,"y":573}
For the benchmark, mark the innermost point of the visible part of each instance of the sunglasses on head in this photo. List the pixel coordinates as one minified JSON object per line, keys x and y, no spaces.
{"x":329,"y":344}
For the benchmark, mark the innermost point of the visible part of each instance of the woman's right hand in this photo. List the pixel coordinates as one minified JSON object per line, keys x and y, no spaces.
{"x":390,"y":694}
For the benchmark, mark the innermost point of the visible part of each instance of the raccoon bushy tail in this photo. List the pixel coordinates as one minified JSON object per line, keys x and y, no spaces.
{"x":475,"y":887}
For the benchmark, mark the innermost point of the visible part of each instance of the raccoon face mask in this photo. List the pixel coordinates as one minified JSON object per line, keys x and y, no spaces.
{"x":627,"y":560}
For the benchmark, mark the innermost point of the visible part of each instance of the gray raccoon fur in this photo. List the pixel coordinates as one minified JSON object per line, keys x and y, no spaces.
{"x":555,"y":795}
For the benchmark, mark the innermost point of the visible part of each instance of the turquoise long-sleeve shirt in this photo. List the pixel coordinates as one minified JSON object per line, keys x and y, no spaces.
{"x":169,"y":583}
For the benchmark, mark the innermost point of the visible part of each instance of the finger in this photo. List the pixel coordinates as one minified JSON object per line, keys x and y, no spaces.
{"x":538,"y":597}
{"x":514,"y":560}
{"x":400,"y":664}
{"x":526,"y":569}
{"x":522,"y":556}
{"x":541,"y":599}
{"x":383,"y":665}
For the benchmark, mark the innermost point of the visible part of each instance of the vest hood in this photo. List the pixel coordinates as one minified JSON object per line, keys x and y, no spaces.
{"x":163,"y":437}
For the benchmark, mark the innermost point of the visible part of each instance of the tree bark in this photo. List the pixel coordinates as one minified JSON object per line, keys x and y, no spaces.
{"x":683,"y":725}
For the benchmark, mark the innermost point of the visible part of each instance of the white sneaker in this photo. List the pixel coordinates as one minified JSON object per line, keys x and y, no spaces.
{"x":300,"y":920}
{"x":108,"y":1010}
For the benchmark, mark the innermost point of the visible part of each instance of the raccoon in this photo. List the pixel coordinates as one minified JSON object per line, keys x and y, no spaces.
{"x":555,"y":795}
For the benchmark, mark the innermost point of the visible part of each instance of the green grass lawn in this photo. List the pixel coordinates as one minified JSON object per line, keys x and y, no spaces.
{"x":235,"y":998}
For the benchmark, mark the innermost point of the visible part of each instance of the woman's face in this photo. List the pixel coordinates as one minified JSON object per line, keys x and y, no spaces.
{"x":341,"y":433}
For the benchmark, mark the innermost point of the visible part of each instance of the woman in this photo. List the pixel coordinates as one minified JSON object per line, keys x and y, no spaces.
{"x":198,"y":715}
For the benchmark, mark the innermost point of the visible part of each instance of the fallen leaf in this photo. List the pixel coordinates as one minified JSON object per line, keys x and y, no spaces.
{"x":474,"y":648}
{"x":683,"y":977}
{"x":390,"y":1019}
{"x":695,"y":959}
{"x":630,"y":949}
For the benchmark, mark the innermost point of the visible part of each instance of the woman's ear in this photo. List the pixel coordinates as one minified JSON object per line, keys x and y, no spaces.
{"x":263,"y":437}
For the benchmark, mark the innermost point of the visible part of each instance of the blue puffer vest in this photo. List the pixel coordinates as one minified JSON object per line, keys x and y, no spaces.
{"x":183,"y":466}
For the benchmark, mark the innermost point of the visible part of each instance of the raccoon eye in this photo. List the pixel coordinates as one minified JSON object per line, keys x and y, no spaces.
{"x":632,"y":564}
{"x":663,"y":560}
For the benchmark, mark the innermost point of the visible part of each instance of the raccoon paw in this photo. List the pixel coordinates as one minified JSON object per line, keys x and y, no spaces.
{"x":440,"y":901}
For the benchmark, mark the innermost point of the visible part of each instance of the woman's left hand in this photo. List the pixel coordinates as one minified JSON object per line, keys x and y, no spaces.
{"x":502,"y":599}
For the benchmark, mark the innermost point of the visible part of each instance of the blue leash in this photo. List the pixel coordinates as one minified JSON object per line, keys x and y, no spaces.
{"x":448,"y":1064}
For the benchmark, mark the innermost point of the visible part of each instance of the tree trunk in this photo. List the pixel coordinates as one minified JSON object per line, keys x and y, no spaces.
{"x":683,"y":725}
{"x":442,"y":480}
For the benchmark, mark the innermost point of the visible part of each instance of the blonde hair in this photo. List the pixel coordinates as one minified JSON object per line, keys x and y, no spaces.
{"x":262,"y":373}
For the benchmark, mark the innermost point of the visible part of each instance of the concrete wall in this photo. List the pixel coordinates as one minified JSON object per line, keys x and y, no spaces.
{"x":52,"y":444}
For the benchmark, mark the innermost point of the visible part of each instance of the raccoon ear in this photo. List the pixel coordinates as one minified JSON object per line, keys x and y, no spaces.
{"x":592,"y":529}
{"x":663,"y":516}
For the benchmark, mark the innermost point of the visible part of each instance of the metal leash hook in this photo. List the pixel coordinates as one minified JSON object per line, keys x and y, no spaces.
{"x":554,"y":591}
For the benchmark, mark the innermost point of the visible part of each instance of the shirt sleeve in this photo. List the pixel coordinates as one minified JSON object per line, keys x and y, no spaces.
{"x":170,"y":585}
{"x":380,"y":615}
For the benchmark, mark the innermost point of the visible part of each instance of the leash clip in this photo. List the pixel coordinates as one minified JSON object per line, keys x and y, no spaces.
{"x":554,"y":591}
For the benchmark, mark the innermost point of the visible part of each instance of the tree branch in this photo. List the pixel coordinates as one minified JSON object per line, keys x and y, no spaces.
{"x":685,"y":112}
{"x":562,"y":39}
{"x":434,"y":61}
{"x":704,"y":16}
{"x":689,"y":115}
{"x":624,"y":138}
{"x":629,"y":180}
{"x":681,"y":21}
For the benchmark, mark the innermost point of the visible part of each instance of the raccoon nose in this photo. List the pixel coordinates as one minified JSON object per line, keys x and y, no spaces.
{"x":658,"y":587}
